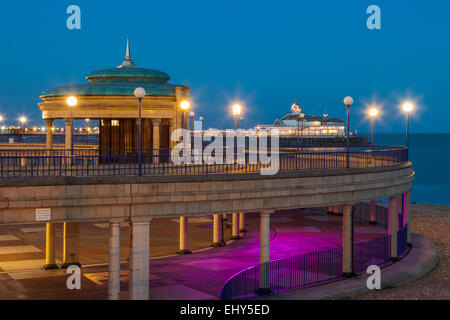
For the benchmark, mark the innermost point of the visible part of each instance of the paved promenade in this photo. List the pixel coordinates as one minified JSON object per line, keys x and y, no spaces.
{"x":196,"y":276}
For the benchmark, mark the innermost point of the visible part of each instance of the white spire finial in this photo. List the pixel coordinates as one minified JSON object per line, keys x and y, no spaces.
{"x":127,"y":55}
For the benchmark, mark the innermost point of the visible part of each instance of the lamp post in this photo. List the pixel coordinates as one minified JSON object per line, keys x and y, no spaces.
{"x":71,"y":102}
{"x":237,"y":111}
{"x":407,"y":108}
{"x":302,"y":117}
{"x":348,"y":101}
{"x":242,"y":123}
{"x":22,"y":121}
{"x":191,"y":121}
{"x":373,"y":112}
{"x":296,"y":109}
{"x":185,"y":105}
{"x":140,"y":93}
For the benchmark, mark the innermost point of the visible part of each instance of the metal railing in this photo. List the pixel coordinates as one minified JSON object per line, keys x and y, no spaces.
{"x":101,"y":162}
{"x":313,"y":268}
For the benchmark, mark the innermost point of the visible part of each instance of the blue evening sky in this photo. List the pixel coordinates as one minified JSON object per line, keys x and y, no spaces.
{"x":262,"y":53}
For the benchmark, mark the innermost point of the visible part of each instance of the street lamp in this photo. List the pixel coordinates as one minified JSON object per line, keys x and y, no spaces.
{"x":296,"y":109}
{"x":140,"y":93}
{"x":237,"y":111}
{"x":71,"y":102}
{"x":373,"y":112}
{"x":22,"y":121}
{"x":407,"y":108}
{"x":185,"y":105}
{"x":348,"y":101}
{"x":242,"y":123}
{"x":302,"y":117}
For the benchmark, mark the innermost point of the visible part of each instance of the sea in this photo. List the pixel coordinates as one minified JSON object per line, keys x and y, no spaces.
{"x":430,"y":155}
{"x":429,"y":152}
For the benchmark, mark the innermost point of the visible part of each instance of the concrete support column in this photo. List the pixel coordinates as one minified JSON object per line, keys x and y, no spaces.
{"x":264,"y":252}
{"x":71,"y":249}
{"x":373,"y":212}
{"x":50,"y":242}
{"x":407,"y":215}
{"x":49,"y":133}
{"x":114,"y":261}
{"x":235,"y":230}
{"x":68,"y":132}
{"x":139,"y":258}
{"x":393,"y":222}
{"x":156,"y":126}
{"x":217,"y":231}
{"x":184,"y":236}
{"x":347,"y":242}
{"x":242,"y":222}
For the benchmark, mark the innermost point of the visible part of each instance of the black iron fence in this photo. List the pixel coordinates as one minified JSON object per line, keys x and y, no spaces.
{"x":91,"y":162}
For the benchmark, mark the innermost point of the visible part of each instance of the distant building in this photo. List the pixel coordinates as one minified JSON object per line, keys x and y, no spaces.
{"x":312,"y":125}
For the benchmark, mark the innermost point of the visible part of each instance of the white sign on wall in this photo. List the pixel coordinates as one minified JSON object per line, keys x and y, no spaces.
{"x":44,"y":214}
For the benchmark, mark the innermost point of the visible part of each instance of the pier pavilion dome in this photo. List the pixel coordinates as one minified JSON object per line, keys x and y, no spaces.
{"x":109,"y":97}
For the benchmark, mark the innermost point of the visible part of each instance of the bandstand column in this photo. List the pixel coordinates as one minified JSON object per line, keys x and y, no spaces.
{"x":184,"y":235}
{"x":49,"y":133}
{"x":139,"y":258}
{"x":264,"y":252}
{"x":407,"y":216}
{"x":171,"y":128}
{"x":114,"y":261}
{"x":71,"y":249}
{"x":156,"y":126}
{"x":242,"y":222}
{"x":68,"y":130}
{"x":347,"y":241}
{"x":235,"y":230}
{"x":373,"y":212}
{"x":217,"y":231}
{"x":50,"y":242}
{"x":393,"y":222}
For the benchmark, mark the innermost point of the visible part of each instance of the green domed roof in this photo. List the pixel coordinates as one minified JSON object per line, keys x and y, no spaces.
{"x":120,"y":81}
{"x":127,"y":73}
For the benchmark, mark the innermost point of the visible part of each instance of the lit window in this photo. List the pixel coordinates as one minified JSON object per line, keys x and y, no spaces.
{"x":114,"y":123}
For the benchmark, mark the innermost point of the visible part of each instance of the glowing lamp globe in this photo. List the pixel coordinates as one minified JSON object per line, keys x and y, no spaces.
{"x":407,"y":107}
{"x":192,"y":114}
{"x":72,"y":101}
{"x":348,"y":101}
{"x":236,"y":109}
{"x":185,"y":105}
{"x":373,"y":112}
{"x":139,"y":92}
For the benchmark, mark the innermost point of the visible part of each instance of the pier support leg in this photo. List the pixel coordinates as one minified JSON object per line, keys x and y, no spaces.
{"x":114,"y":261}
{"x":184,"y":236}
{"x":347,"y":242}
{"x":373,"y":212}
{"x":242,"y":222}
{"x":407,"y":216}
{"x":264,"y":252}
{"x":217,"y":231}
{"x":139,"y":259}
{"x":71,"y":248}
{"x":393,"y":222}
{"x":235,"y":231}
{"x":50,"y":242}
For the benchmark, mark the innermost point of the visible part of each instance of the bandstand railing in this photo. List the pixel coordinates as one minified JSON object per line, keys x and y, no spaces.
{"x":119,"y":162}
